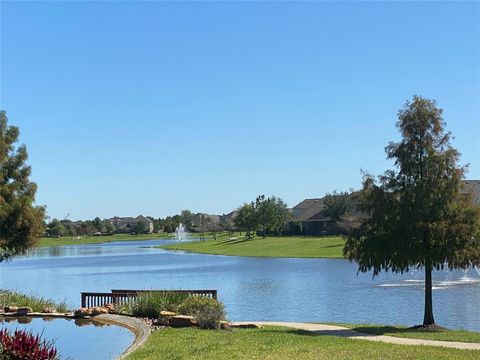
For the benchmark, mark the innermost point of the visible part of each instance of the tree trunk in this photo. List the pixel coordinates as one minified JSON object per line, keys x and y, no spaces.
{"x":428,"y":314}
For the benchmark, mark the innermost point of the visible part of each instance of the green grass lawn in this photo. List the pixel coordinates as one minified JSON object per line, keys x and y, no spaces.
{"x":404,"y":332}
{"x":278,"y":343}
{"x":285,"y":246}
{"x":73,"y":240}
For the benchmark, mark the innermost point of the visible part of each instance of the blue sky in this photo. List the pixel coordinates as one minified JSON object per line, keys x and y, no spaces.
{"x":154,"y":107}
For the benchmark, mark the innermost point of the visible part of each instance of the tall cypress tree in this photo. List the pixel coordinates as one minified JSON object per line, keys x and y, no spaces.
{"x":418,"y":215}
{"x":21,"y":222}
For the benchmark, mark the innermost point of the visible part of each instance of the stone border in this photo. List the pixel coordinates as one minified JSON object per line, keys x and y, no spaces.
{"x":138,"y":327}
{"x":135,"y":325}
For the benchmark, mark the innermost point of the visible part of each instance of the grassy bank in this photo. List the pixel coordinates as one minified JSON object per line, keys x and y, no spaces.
{"x":406,"y":332}
{"x":285,"y":246}
{"x":278,"y":343}
{"x":74,"y":240}
{"x":13,"y":298}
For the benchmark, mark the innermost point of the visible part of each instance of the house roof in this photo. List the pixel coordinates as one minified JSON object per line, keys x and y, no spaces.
{"x":311,"y":209}
{"x":307,"y":209}
{"x":231,"y":215}
{"x":309,"y":203}
{"x":143,"y":218}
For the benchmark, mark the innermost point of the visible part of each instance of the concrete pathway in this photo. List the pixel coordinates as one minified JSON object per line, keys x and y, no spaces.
{"x":332,"y":330}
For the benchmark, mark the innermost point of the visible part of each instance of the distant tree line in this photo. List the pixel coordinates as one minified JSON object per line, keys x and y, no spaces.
{"x":78,"y":228}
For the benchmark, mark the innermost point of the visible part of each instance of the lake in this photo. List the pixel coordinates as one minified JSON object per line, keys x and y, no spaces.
{"x":288,"y":289}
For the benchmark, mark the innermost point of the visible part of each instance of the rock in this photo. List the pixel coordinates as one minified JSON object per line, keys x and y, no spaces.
{"x":82,"y":312}
{"x":110,"y":308}
{"x":178,"y":321}
{"x":24,"y":310}
{"x":99,"y":310}
{"x":49,"y":310}
{"x":224,"y":325}
{"x":164,"y":318}
{"x":9,"y":309}
{"x":245,"y":326}
{"x":167,"y":313}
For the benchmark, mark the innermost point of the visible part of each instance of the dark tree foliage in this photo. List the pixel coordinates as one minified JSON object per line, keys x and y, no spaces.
{"x":21,"y":223}
{"x":140,"y":228}
{"x":418,"y":218}
{"x":337,"y":205}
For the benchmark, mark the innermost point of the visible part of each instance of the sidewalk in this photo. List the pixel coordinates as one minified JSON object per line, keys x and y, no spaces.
{"x":332,"y":330}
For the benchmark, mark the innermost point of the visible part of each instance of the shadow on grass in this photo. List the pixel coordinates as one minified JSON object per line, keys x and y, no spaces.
{"x":382,"y":330}
{"x":232,"y":242}
{"x":345,"y":333}
{"x":333,"y":246}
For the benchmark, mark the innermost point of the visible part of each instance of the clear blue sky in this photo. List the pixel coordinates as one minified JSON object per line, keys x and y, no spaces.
{"x":151,"y":107}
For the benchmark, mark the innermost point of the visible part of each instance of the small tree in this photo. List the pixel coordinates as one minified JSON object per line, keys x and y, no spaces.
{"x":246,"y":219}
{"x":271,"y":213}
{"x":21,"y":223}
{"x":417,"y":216}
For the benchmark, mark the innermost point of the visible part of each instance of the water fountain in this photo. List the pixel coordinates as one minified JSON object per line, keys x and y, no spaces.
{"x":181,"y":232}
{"x":469,"y":276}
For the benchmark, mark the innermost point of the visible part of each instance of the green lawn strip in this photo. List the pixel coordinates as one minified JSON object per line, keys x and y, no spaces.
{"x":299,"y":247}
{"x":406,"y":332}
{"x":74,"y":240}
{"x":277,"y":343}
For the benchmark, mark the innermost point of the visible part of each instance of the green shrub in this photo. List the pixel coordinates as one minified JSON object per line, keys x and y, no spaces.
{"x":150,"y":303}
{"x":13,"y":298}
{"x":208,"y":312}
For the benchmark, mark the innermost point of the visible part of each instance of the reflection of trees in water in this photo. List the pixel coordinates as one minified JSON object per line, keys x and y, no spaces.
{"x":55,"y":251}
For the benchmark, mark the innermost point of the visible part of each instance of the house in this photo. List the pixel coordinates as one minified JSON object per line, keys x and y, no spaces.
{"x":127,"y":224}
{"x":308,"y":218}
{"x":205,"y":222}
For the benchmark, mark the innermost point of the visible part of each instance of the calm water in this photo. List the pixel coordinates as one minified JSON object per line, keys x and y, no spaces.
{"x":252,"y":288}
{"x":77,"y":339}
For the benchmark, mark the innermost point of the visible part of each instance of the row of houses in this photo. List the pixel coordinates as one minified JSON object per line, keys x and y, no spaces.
{"x":308,"y":217}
